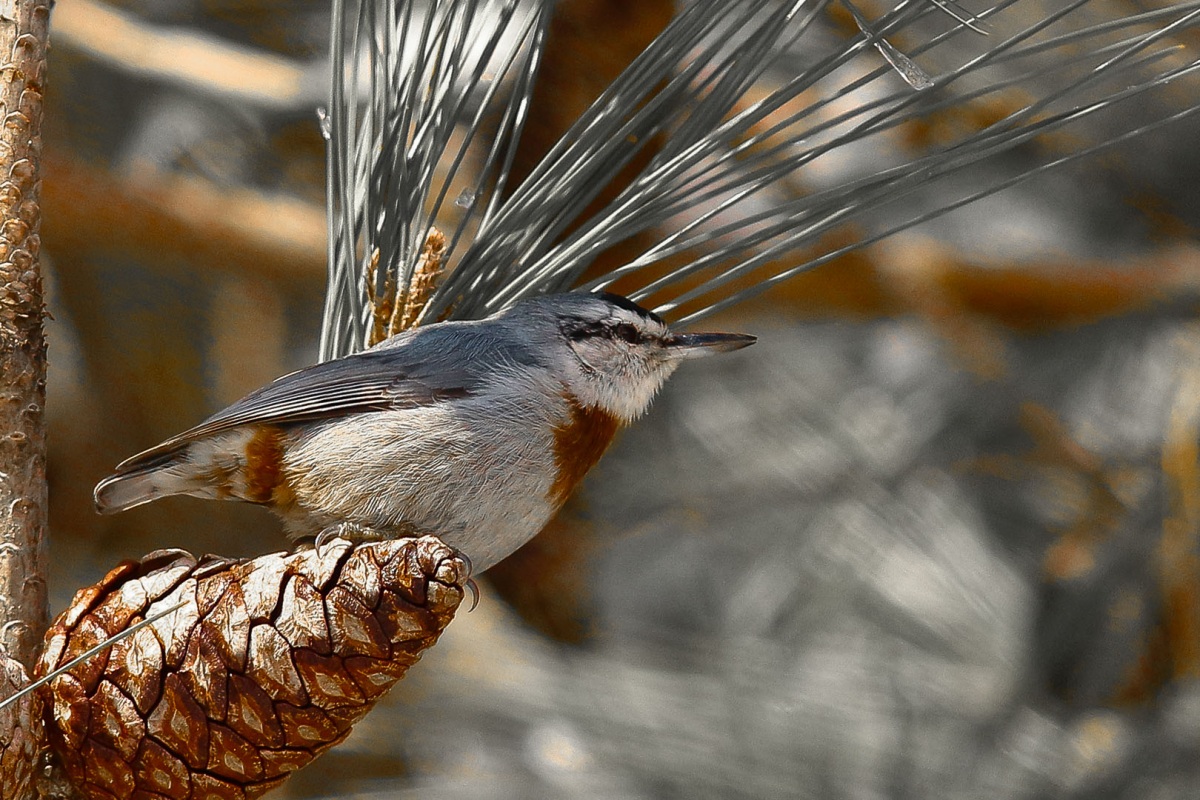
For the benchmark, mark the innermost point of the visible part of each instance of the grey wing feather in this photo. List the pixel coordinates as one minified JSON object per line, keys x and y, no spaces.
{"x":369,"y":381}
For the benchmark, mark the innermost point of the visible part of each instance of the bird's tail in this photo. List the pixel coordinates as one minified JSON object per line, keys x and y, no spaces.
{"x":142,"y":480}
{"x":212,"y":468}
{"x":126,"y":490}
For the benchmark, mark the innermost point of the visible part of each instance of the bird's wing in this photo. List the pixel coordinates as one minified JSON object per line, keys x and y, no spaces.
{"x":373,"y":380}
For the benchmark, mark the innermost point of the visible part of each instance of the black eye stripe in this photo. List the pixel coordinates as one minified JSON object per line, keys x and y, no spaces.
{"x":578,"y":330}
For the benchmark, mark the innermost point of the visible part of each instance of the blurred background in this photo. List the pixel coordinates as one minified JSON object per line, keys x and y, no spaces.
{"x":935,"y":536}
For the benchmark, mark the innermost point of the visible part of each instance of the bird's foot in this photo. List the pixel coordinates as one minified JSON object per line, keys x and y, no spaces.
{"x":352,"y":532}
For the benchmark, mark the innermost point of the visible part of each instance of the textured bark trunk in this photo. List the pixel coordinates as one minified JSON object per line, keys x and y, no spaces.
{"x":23,"y":37}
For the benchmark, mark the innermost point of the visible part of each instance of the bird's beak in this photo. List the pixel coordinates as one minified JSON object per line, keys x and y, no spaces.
{"x":697,"y":345}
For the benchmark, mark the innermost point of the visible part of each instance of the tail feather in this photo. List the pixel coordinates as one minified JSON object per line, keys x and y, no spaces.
{"x":143,"y":480}
{"x":119,"y":492}
{"x":213,"y":468}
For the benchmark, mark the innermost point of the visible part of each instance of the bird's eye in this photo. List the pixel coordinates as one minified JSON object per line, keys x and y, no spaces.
{"x":627,"y":332}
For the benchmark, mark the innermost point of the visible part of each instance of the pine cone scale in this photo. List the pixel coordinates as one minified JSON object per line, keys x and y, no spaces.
{"x":266,"y":664}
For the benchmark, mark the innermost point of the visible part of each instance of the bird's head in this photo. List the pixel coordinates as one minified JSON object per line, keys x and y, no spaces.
{"x":615,"y":355}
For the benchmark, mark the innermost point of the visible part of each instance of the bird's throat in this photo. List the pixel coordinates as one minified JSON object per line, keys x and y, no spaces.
{"x":578,"y":445}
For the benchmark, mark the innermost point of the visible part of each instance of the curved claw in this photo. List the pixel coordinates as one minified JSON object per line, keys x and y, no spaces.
{"x":325,"y":537}
{"x":474,"y":587}
{"x":466,"y":559}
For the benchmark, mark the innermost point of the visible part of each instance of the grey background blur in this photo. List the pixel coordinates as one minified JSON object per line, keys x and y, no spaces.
{"x":934,"y":537}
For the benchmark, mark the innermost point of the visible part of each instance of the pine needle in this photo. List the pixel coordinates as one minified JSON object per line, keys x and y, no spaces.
{"x":745,"y":99}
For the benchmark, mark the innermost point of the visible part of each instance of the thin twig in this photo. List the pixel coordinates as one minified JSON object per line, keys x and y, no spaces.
{"x":181,"y":220}
{"x":176,"y":56}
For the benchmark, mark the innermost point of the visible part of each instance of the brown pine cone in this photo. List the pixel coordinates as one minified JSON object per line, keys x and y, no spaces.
{"x":268,"y":663}
{"x":22,"y":735}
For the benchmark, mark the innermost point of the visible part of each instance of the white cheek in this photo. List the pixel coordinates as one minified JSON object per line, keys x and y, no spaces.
{"x":630,"y":398}
{"x":614,"y":379}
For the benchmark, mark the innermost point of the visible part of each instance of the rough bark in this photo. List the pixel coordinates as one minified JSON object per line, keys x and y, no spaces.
{"x":23,"y":38}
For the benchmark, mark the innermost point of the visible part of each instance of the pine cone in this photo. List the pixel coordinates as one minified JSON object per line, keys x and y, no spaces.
{"x":22,"y":735}
{"x":268,"y":663}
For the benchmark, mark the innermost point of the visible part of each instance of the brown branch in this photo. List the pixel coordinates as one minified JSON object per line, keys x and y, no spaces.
{"x":1028,"y":296}
{"x":201,"y":63}
{"x":23,"y":608}
{"x":23,"y":613}
{"x":181,"y":219}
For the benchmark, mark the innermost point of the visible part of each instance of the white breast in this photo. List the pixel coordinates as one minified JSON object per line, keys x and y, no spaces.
{"x":475,"y":472}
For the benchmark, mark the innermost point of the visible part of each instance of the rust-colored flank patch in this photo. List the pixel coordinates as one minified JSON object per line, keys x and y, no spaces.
{"x":578,"y":445}
{"x":264,"y":464}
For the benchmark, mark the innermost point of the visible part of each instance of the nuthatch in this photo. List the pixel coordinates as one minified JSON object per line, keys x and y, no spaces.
{"x":476,"y":431}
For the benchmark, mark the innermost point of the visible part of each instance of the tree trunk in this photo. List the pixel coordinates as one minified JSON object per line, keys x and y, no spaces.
{"x":23,"y":36}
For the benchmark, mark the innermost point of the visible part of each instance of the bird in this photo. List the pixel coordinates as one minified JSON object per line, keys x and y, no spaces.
{"x":475,"y":431}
